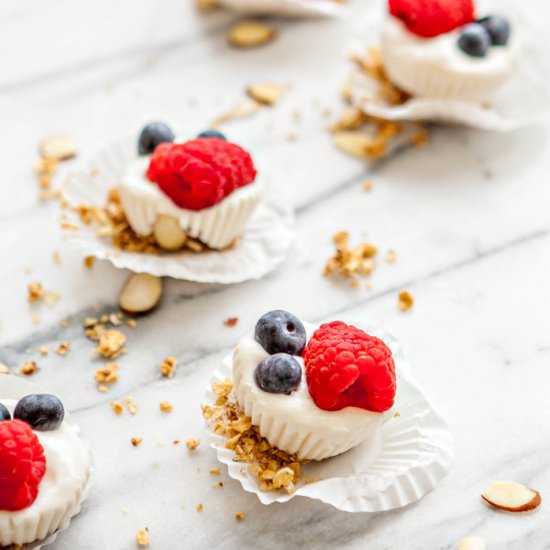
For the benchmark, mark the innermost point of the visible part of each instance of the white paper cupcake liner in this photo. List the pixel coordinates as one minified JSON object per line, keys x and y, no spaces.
{"x":45,"y":529}
{"x":437,"y":83}
{"x":406,"y":459}
{"x":217,"y":226}
{"x":263,"y":246}
{"x":291,"y":8}
{"x":306,"y":445}
{"x":523,"y":100}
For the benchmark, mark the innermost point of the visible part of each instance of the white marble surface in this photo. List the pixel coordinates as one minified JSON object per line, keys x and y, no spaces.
{"x":468,"y":216}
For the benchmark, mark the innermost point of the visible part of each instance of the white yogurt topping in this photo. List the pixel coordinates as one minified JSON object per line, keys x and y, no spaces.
{"x":143,"y":201}
{"x":298,"y":408}
{"x":444,"y":52}
{"x":67,"y":472}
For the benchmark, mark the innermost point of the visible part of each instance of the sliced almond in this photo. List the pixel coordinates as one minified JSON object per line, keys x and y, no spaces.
{"x":511,"y":497}
{"x":207,"y":5}
{"x":58,"y":148}
{"x":354,"y":143}
{"x":266,"y":94}
{"x":168,"y":233}
{"x":141,"y":293}
{"x":245,"y":109}
{"x":250,"y":34}
{"x":472,"y":543}
{"x":352,"y":119}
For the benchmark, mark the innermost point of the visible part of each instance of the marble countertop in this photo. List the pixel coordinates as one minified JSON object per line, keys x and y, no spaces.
{"x":467,"y":215}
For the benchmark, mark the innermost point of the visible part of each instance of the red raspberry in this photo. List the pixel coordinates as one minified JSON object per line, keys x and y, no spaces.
{"x":200,"y":173}
{"x":22,"y":465}
{"x":346,"y":367}
{"x":429,"y":18}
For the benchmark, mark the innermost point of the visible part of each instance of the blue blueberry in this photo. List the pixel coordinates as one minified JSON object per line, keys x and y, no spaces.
{"x":212,"y":134}
{"x":280,"y":332}
{"x":474,"y":40}
{"x":279,"y":373}
{"x":154,"y":134}
{"x":4,"y":413}
{"x":43,"y":412}
{"x":498,"y":28}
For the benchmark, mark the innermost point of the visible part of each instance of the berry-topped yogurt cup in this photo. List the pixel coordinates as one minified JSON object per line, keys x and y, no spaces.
{"x":204,"y":189}
{"x":444,"y":49}
{"x":45,"y":469}
{"x":314,"y":392}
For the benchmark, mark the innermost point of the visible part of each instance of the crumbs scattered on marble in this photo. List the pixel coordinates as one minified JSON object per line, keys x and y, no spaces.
{"x":351,"y":262}
{"x":405,"y":300}
{"x":63,"y":348}
{"x":29,"y":368}
{"x":193,"y":443}
{"x":168,"y":367}
{"x":142,"y":538}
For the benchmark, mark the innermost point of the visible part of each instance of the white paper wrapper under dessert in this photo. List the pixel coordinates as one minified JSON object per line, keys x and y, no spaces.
{"x":407,"y":458}
{"x":522,"y":101}
{"x":261,"y":249}
{"x":13,"y":387}
{"x":291,"y":8}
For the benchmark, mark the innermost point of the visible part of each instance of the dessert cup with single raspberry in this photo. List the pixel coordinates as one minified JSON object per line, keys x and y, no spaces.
{"x":315,"y":392}
{"x":442,"y":49}
{"x":45,"y":467}
{"x":204,"y":188}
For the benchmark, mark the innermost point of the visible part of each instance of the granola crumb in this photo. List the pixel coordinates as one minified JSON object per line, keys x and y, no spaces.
{"x":56,"y":257}
{"x":419,"y":138}
{"x":108,"y":374}
{"x":391,"y":256}
{"x":274,"y":469}
{"x":35,"y":292}
{"x":193,"y":443}
{"x":63,"y":348}
{"x":218,"y":485}
{"x":132,"y":323}
{"x":199,"y":508}
{"x":397,"y":414}
{"x":111,"y":343}
{"x":4,"y":369}
{"x":118,"y":408}
{"x":89,"y":262}
{"x":215,"y":471}
{"x":351,"y":262}
{"x":168,"y":367}
{"x":44,"y":351}
{"x":231,"y":321}
{"x":51,"y":297}
{"x":240,"y":516}
{"x":405,"y":300}
{"x":142,"y":538}
{"x":136,"y":441}
{"x":166,"y":407}
{"x":29,"y":368}
{"x":131,"y":405}
{"x":102,"y":388}
{"x":367,"y":185}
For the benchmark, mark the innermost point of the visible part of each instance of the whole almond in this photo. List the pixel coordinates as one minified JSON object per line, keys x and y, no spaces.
{"x":250,"y":34}
{"x":168,"y":233}
{"x":141,"y":293}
